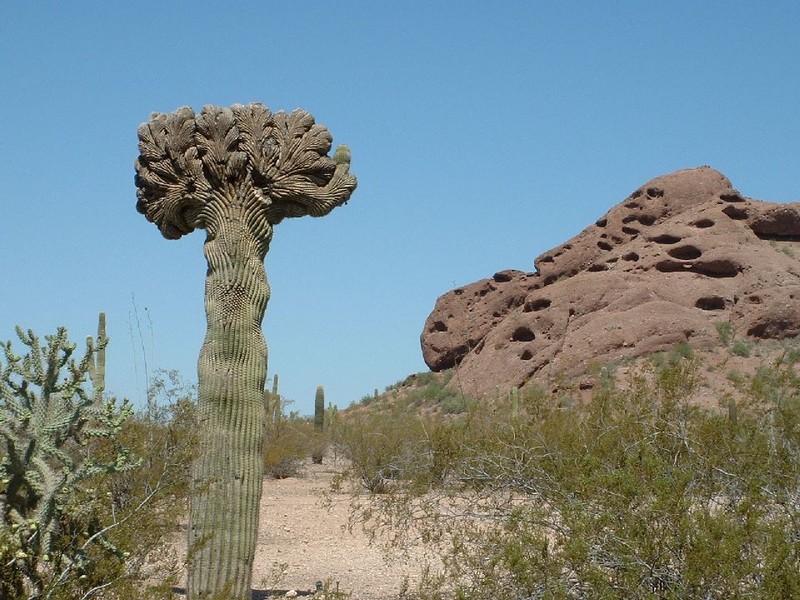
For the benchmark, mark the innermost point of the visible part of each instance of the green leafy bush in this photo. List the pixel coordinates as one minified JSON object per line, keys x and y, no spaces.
{"x":377,"y":446}
{"x":742,"y":347}
{"x":289,"y":441}
{"x":154,"y":497}
{"x":725,"y":331}
{"x":636,"y":494}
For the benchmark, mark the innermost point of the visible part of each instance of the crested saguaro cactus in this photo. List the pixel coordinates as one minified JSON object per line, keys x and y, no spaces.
{"x":235,"y":172}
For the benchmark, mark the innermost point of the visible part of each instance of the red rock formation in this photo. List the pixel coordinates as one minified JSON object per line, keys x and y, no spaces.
{"x":680,"y":254}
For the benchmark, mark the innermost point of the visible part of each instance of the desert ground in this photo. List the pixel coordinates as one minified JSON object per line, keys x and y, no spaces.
{"x":303,"y":538}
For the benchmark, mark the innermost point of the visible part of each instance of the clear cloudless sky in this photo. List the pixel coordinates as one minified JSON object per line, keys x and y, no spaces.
{"x":482,"y":134}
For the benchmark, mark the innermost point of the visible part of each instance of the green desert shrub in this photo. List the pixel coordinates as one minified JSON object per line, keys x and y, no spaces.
{"x":636,"y":494}
{"x":742,"y":347}
{"x":377,"y":446}
{"x":290,"y":440}
{"x":724,"y":331}
{"x":164,"y":438}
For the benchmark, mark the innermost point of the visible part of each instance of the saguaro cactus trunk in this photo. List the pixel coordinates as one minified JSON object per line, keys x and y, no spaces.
{"x":235,"y":172}
{"x":231,"y":372}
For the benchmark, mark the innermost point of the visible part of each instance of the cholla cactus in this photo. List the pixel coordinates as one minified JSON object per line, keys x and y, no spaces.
{"x":47,"y":418}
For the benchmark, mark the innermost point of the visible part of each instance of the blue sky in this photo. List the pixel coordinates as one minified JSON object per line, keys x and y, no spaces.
{"x":482,"y":134}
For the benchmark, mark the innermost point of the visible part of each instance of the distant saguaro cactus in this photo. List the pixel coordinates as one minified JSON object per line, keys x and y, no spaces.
{"x":319,"y":422}
{"x":235,"y":172}
{"x":272,"y":402}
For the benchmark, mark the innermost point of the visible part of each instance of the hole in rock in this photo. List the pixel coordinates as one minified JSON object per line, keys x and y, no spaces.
{"x":597,"y":267}
{"x":604,"y":245}
{"x":771,"y":329}
{"x":711,"y":268}
{"x":630,"y":218}
{"x":665,"y":238}
{"x":710,"y":303}
{"x":458,"y":292}
{"x":717,"y":268}
{"x":703,"y":223}
{"x":637,"y":193}
{"x":685,"y":252}
{"x":546,"y":259}
{"x":439,"y":326}
{"x":631,"y":256}
{"x":630,"y":230}
{"x":754,"y":299}
{"x":670,"y":266}
{"x":735,"y":213}
{"x":647,"y":219}
{"x":537,"y":304}
{"x":550,"y":279}
{"x":655,"y":192}
{"x":526,"y":355}
{"x":522,"y":334}
{"x":770,"y":237}
{"x":567,"y":246}
{"x":601,"y":222}
{"x":502,"y":277}
{"x":733,"y":197}
{"x":512,"y":303}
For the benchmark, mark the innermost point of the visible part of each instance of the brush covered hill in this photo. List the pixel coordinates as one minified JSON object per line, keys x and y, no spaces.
{"x":683,"y":260}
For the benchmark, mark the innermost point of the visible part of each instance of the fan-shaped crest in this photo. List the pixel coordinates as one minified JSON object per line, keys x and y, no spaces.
{"x":185,"y":159}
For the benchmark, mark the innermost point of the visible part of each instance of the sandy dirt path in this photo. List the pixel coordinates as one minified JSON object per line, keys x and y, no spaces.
{"x":302,"y":540}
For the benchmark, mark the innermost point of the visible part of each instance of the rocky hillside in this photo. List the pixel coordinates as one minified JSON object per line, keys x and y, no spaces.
{"x":682,"y":259}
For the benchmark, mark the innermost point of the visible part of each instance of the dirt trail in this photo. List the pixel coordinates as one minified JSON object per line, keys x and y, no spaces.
{"x":302,"y":541}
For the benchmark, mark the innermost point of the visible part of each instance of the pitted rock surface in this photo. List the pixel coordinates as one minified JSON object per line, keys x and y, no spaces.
{"x":681,"y":253}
